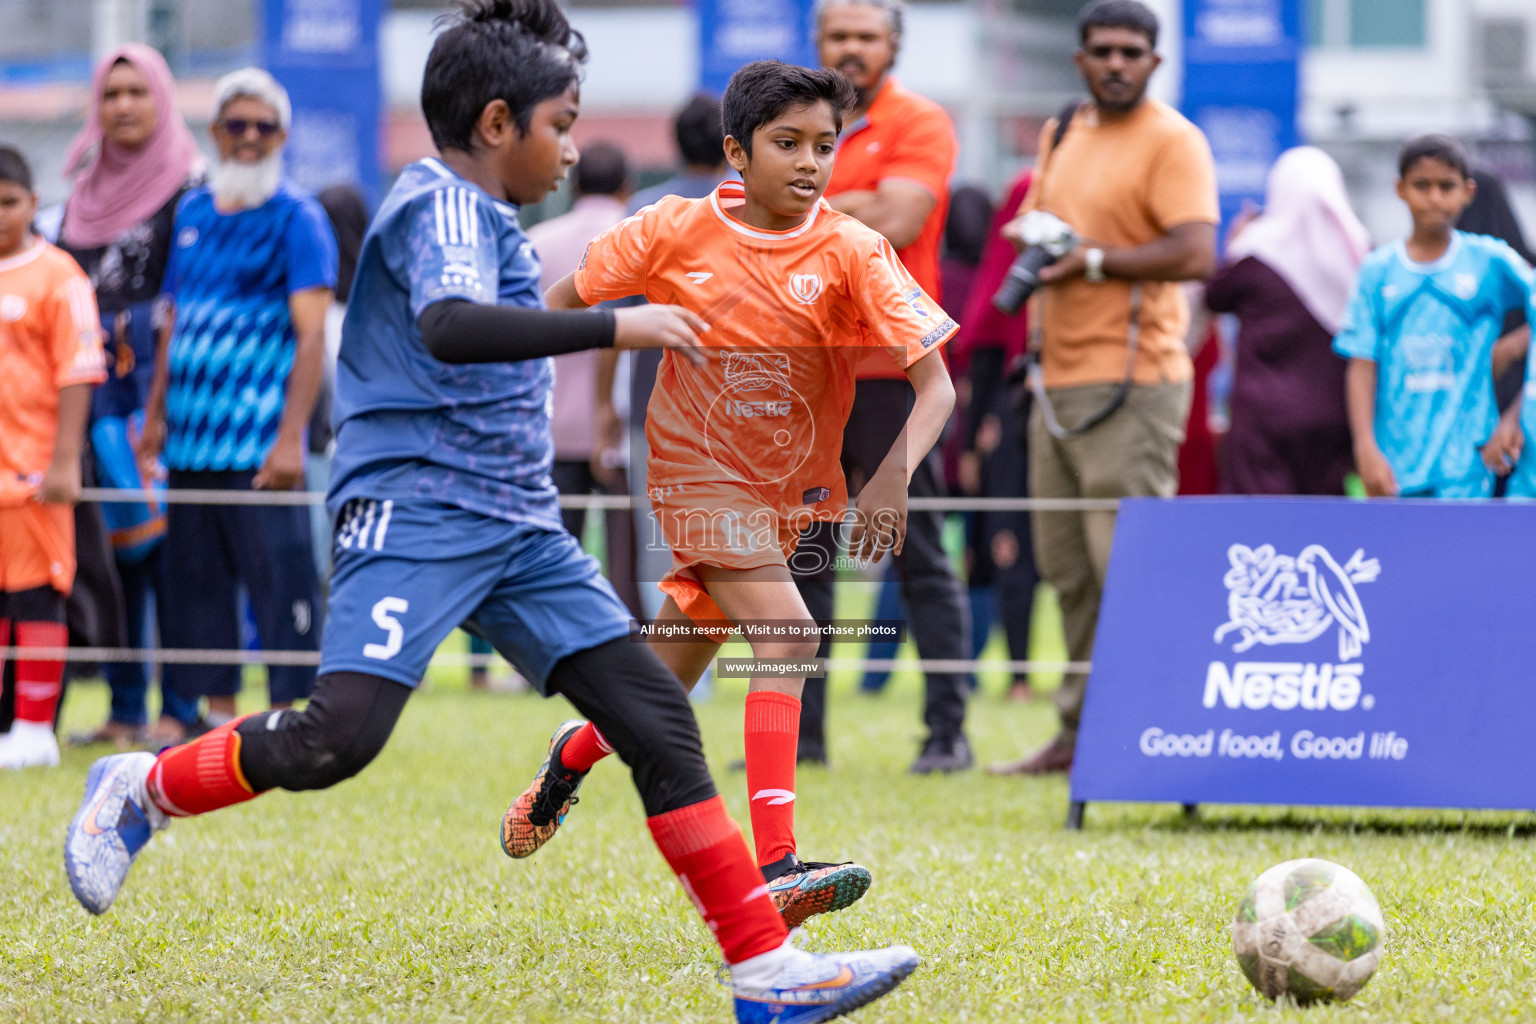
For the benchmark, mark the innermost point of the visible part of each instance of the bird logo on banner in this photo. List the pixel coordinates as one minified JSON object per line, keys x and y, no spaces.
{"x":1277,"y":599}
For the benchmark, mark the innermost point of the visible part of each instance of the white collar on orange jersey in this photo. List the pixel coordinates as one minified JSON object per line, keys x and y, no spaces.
{"x":733,"y":193}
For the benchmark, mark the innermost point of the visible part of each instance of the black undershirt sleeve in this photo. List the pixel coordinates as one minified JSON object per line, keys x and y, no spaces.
{"x":459,"y":331}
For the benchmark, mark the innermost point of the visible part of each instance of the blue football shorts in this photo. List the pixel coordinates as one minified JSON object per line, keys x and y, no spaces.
{"x":407,"y":572}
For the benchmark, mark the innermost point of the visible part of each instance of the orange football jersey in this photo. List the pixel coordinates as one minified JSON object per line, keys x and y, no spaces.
{"x":790,"y":315}
{"x":50,"y":338}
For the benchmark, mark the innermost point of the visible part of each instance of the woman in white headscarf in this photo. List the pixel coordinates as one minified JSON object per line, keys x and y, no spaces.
{"x":1288,"y":275}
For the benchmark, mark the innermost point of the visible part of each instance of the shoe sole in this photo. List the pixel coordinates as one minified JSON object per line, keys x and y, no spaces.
{"x":838,"y":891}
{"x":866,"y":995}
{"x":504,"y":834}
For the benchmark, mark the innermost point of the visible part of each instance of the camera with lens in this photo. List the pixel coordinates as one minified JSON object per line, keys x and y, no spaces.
{"x":1047,"y":238}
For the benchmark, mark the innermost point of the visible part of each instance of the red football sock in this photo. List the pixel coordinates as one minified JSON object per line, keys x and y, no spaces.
{"x":772,"y":735}
{"x":584,"y":749}
{"x":39,"y":680}
{"x":200,"y":776}
{"x":706,"y":850}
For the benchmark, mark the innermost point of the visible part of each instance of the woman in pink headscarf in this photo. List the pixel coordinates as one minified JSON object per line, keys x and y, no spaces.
{"x":1288,"y":276}
{"x":131,"y":163}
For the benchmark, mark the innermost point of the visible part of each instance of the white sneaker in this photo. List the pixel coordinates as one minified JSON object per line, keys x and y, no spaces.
{"x":29,"y":745}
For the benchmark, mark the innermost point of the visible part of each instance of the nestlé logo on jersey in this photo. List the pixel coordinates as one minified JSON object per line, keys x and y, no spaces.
{"x":1277,"y":600}
{"x":756,"y":371}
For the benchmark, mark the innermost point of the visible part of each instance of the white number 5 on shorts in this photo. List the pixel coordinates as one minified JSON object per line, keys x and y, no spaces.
{"x":384,"y":615}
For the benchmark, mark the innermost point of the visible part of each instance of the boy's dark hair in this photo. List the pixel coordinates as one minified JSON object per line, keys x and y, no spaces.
{"x":699,"y":136}
{"x":14,"y":167}
{"x":602,"y":170}
{"x":1443,"y":148}
{"x":1117,"y":14}
{"x":764,"y":89}
{"x":520,"y":51}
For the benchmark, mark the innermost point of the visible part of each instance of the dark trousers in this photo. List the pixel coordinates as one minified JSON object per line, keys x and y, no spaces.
{"x":129,"y":680}
{"x":210,"y":551}
{"x":1000,"y":550}
{"x":937,"y":612}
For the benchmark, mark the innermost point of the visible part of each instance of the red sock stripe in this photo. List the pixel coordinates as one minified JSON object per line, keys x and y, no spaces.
{"x":584,"y":749}
{"x":706,"y":850}
{"x":772,"y":712}
{"x":39,"y":680}
{"x":200,"y":776}
{"x":687,"y":830}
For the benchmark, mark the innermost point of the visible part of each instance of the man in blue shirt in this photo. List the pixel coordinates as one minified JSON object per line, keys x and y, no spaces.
{"x":1419,"y":333}
{"x":251,"y":271}
{"x":445,"y":513}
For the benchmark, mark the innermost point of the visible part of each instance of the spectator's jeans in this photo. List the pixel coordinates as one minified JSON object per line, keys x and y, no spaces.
{"x":1134,"y":453}
{"x":129,"y":680}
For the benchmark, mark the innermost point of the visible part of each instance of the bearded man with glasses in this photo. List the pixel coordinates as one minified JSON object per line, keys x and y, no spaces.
{"x":250,"y":277}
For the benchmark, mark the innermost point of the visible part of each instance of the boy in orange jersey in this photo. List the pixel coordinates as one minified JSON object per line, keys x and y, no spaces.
{"x":50,"y":358}
{"x":745,"y":448}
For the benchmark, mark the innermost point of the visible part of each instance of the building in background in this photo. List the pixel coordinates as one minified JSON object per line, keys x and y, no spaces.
{"x":1373,"y":73}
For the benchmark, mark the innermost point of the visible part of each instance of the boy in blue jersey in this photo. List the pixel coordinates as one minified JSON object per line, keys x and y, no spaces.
{"x":445,"y":512}
{"x":1419,"y":334}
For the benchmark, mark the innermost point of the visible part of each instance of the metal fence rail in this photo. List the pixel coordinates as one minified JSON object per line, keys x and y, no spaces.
{"x":167,"y":656}
{"x":588,"y":501}
{"x":191,"y":656}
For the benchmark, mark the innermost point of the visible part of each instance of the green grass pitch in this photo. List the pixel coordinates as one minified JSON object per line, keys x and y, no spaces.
{"x":388,"y":899}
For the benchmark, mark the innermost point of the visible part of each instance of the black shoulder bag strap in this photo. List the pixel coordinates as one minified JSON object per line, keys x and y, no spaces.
{"x":1036,"y":375}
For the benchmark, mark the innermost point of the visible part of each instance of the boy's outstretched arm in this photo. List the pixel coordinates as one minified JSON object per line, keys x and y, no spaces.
{"x":882,"y":504}
{"x":460,"y":331}
{"x":1360,"y":398}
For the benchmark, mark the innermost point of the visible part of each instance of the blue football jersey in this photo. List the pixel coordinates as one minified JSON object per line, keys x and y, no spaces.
{"x":409,"y":426}
{"x":232,"y":345}
{"x":1430,"y":328}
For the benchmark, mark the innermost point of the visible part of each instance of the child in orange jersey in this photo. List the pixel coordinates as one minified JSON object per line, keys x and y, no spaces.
{"x":50,"y":358}
{"x":745,"y":448}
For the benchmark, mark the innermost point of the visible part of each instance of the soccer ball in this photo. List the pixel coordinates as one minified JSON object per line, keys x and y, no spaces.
{"x":1309,"y":930}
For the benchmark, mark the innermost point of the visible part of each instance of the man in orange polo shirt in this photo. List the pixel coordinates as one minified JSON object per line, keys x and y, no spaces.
{"x":893,"y":167}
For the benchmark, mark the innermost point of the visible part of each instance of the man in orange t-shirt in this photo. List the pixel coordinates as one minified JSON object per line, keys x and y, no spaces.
{"x":893,"y":169}
{"x":1136,"y":181}
{"x":795,"y":296}
{"x":50,"y":359}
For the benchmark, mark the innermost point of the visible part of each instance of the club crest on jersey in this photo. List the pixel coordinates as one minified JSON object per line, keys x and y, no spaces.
{"x":756,"y":371}
{"x":806,"y":288}
{"x":912,"y":296}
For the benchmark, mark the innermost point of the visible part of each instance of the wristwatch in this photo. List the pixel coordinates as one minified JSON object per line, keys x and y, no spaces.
{"x":1093,"y":266}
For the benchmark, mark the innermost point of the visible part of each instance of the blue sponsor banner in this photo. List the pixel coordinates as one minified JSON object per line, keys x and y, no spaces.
{"x":1241,"y":87}
{"x":1315,"y":652}
{"x":736,"y":32}
{"x":326,"y":54}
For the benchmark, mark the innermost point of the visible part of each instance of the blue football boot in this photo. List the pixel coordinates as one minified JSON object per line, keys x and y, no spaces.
{"x":114,"y":822}
{"x":820,"y":986}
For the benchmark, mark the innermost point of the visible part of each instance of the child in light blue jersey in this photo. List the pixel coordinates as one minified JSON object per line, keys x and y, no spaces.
{"x":1419,"y":334}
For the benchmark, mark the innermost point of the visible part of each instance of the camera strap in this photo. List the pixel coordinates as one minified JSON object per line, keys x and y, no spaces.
{"x":1036,"y":376}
